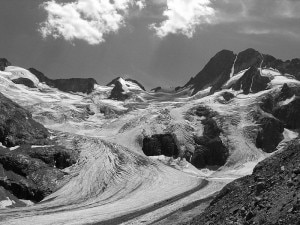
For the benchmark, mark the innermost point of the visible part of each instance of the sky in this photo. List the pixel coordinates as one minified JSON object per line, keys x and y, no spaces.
{"x":157,"y":42}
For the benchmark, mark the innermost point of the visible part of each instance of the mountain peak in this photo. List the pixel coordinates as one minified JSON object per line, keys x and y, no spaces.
{"x":4,"y":63}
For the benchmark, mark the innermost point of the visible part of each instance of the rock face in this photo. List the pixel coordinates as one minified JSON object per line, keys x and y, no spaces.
{"x":209,"y":149}
{"x":270,"y":134}
{"x":4,"y":63}
{"x":118,"y":92}
{"x":84,"y":85}
{"x":27,"y":177}
{"x":160,"y":144}
{"x":227,"y":96}
{"x":114,"y":81}
{"x":33,"y":172}
{"x":246,"y":59}
{"x":225,"y":63}
{"x":24,"y":81}
{"x":289,"y":114}
{"x":269,"y":196}
{"x":252,"y":82}
{"x":53,"y":155}
{"x":285,"y":67}
{"x":215,"y":73}
{"x":285,"y":106}
{"x":17,"y":126}
{"x":29,"y":172}
{"x":156,"y":89}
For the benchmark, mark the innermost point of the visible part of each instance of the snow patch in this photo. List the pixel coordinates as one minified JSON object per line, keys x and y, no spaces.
{"x":6,"y":203}
{"x":234,"y":79}
{"x":14,"y":148}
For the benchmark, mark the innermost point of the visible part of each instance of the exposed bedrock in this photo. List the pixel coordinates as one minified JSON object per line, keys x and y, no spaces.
{"x":285,"y":67}
{"x":25,"y":81}
{"x":160,"y":144}
{"x":29,"y":172}
{"x":209,"y":149}
{"x":156,"y":89}
{"x":215,"y":73}
{"x":113,"y":82}
{"x":17,"y":126}
{"x":26,"y":177}
{"x":289,"y":114}
{"x":84,"y":85}
{"x":246,"y":59}
{"x":270,"y":133}
{"x":252,"y":82}
{"x":227,"y":96}
{"x":53,"y":155}
{"x":4,"y":63}
{"x":118,"y":93}
{"x":285,"y":106}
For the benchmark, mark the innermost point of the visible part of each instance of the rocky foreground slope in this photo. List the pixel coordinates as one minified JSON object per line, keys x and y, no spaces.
{"x":271,"y":195}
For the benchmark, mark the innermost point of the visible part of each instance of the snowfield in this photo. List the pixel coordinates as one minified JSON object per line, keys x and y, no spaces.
{"x":113,"y":180}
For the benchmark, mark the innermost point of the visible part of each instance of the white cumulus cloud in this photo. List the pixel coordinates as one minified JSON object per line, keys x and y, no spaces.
{"x":88,"y":20}
{"x":183,"y":16}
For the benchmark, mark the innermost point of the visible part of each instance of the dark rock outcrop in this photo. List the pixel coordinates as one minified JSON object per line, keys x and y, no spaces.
{"x":227,"y":96}
{"x":114,"y":81}
{"x":118,"y":93}
{"x":246,"y":59}
{"x":53,"y":155}
{"x":270,"y":133}
{"x":156,"y":89}
{"x":215,"y":73}
{"x":291,"y":67}
{"x":25,"y":81}
{"x":209,"y":149}
{"x":160,"y":144}
{"x":267,"y":104}
{"x":17,"y":126}
{"x":84,"y":85}
{"x":252,"y":82}
{"x":4,"y":63}
{"x":289,"y":114}
{"x":27,"y":177}
{"x":269,"y":196}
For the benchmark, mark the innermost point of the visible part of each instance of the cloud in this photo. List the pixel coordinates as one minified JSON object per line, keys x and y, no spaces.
{"x":260,"y":17}
{"x":88,"y":20}
{"x":183,"y":16}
